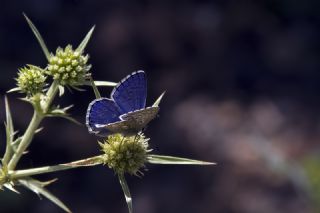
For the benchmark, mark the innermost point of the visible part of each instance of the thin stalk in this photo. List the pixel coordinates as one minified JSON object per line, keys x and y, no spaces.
{"x":33,"y":126}
{"x":126,"y":191}
{"x":94,"y":87}
{"x":93,"y":161}
{"x":51,"y":95}
{"x":26,"y":139}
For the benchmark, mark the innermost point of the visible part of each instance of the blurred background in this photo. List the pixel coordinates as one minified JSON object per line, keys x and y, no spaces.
{"x":242,"y":81}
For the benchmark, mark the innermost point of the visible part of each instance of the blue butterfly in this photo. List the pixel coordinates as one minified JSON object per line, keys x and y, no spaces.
{"x":125,"y":112}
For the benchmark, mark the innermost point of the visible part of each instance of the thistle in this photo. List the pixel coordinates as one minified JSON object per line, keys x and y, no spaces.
{"x":31,"y":80}
{"x":125,"y":154}
{"x":68,"y":66}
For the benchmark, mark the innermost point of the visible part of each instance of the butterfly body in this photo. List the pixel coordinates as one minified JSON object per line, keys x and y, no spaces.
{"x":125,"y":111}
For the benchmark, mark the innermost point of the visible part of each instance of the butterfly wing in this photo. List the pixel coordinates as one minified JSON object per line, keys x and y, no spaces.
{"x":131,"y":92}
{"x":141,"y":117}
{"x":101,"y":112}
{"x":133,"y":122}
{"x":126,"y":127}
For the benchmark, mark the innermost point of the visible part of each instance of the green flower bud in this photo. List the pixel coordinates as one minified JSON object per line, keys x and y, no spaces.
{"x":68,"y":66}
{"x":125,"y":154}
{"x":31,"y":79}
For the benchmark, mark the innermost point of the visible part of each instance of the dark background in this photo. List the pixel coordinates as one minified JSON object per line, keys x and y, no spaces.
{"x":242,"y":81}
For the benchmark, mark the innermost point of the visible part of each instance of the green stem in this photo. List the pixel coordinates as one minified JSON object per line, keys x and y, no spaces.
{"x":51,"y":94}
{"x":94,"y":87}
{"x":93,"y":161}
{"x":26,"y":139}
{"x":33,"y":126}
{"x":126,"y":191}
{"x":7,"y":154}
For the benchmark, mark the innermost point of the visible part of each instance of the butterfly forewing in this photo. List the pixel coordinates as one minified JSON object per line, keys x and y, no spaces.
{"x":101,"y":111}
{"x":130,"y":94}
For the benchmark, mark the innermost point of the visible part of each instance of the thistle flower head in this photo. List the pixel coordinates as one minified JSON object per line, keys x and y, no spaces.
{"x":68,"y":66}
{"x":31,"y":79}
{"x":125,"y":154}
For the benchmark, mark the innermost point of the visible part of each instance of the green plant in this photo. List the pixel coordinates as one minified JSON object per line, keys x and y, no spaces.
{"x":69,"y":67}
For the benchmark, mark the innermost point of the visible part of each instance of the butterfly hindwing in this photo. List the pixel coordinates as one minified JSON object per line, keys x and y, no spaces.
{"x":141,"y":117}
{"x":133,"y":122}
{"x":130,"y":94}
{"x":127,"y":127}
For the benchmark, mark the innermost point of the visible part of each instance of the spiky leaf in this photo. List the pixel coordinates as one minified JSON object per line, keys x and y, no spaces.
{"x":163,"y":159}
{"x":101,"y":83}
{"x":39,"y":37}
{"x":16,"y":89}
{"x":9,"y":133}
{"x":157,"y":102}
{"x":11,"y":188}
{"x":61,"y":90}
{"x":38,"y":188}
{"x":57,"y":112}
{"x":85,"y":41}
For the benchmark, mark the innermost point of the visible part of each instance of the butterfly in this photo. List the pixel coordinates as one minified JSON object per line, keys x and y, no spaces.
{"x":125,"y":112}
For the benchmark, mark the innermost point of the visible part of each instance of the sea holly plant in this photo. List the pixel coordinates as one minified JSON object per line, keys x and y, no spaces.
{"x":68,"y":67}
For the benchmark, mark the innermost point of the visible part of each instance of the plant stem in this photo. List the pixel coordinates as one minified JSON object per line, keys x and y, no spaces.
{"x":126,"y":191}
{"x":50,"y":95}
{"x":26,"y":139}
{"x":33,"y":126}
{"x":92,"y":161}
{"x":7,"y":154}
